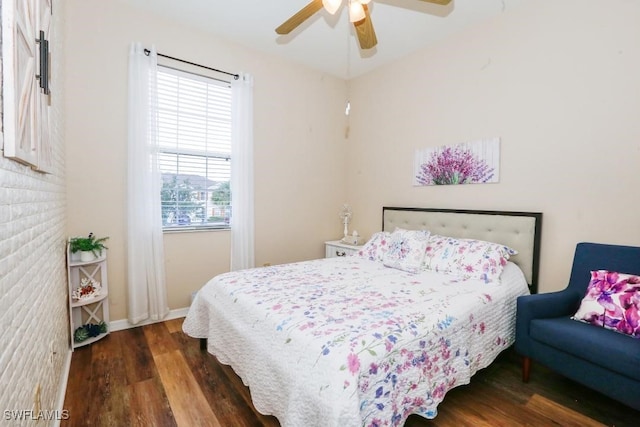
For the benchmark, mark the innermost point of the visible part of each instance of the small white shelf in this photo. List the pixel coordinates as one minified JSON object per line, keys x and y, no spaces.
{"x":91,"y":300}
{"x":95,"y":309}
{"x":101,"y":258}
{"x":90,"y":340}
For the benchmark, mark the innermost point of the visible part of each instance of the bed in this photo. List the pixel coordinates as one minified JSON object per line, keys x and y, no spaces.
{"x":369,"y":339}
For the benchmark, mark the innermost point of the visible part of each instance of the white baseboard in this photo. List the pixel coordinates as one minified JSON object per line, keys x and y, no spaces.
{"x":62,"y":387}
{"x":119,"y":325}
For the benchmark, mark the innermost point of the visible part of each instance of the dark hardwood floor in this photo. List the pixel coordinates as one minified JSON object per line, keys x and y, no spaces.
{"x":157,"y":376}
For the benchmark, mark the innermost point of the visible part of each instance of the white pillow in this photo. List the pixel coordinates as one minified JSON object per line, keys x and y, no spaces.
{"x":466,"y":258}
{"x":406,"y":250}
{"x":376,"y":247}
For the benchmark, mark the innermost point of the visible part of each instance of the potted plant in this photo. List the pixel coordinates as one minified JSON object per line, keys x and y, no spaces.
{"x":88,"y":247}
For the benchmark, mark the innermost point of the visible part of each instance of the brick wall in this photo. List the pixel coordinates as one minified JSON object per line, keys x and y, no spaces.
{"x":33,"y":286}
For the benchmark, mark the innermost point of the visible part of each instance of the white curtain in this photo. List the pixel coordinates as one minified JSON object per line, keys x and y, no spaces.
{"x":147,"y":294}
{"x":242,"y":220}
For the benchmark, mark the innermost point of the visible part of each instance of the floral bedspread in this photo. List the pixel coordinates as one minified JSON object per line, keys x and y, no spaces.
{"x":349,"y":342}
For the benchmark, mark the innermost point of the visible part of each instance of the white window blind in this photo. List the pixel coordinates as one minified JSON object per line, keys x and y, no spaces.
{"x":194,"y":132}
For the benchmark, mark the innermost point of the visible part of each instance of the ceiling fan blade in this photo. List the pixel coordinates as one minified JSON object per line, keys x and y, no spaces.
{"x":364,"y":30}
{"x":297,"y":19}
{"x":442,"y":2}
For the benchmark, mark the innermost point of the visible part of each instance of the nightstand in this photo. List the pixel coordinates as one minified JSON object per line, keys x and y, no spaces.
{"x":336,"y":248}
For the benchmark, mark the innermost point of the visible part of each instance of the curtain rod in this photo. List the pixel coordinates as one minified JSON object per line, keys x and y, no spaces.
{"x":235,"y":76}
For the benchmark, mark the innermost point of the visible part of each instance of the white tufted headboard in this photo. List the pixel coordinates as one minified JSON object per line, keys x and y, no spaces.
{"x":518,"y":230}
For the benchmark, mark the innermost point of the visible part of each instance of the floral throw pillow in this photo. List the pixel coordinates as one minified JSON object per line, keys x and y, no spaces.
{"x":466,"y":258}
{"x":612,"y":301}
{"x":406,"y":250}
{"x":376,"y":247}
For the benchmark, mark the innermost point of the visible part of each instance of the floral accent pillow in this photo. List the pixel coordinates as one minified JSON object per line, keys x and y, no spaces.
{"x":466,"y":258}
{"x":612,"y":301}
{"x":406,"y":250}
{"x":376,"y":247}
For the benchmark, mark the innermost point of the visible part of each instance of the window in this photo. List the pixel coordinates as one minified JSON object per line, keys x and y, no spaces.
{"x":194,"y":134}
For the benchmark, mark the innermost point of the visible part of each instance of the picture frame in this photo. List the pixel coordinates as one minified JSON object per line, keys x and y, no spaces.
{"x":475,"y":162}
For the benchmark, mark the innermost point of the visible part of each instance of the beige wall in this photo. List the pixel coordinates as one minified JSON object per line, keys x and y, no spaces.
{"x":557,"y":81}
{"x":299,"y":146}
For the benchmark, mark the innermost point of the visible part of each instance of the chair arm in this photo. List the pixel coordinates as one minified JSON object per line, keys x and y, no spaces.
{"x":538,"y":306}
{"x":552,"y":304}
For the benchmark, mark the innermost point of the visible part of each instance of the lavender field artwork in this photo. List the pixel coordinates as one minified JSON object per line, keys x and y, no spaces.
{"x":468,"y":163}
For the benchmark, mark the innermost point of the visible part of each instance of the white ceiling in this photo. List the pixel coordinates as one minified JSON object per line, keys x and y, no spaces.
{"x":327,"y":42}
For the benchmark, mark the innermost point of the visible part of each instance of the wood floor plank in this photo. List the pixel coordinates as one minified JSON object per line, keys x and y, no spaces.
{"x":155,"y":375}
{"x":136,"y":355}
{"x":483,"y":407}
{"x":77,"y":402}
{"x":159,"y":339}
{"x":488,"y":408}
{"x":174,"y":325}
{"x":106,"y":388}
{"x":560,"y":414}
{"x":557,"y":388}
{"x":230,"y":407}
{"x":149,"y":405}
{"x":189,"y":406}
{"x":243,"y":391}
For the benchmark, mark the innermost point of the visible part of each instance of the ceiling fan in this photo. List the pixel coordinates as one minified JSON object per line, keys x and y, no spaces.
{"x":358,"y":15}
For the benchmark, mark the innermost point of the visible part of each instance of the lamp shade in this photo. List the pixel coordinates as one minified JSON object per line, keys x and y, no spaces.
{"x":356,"y":11}
{"x":331,"y":5}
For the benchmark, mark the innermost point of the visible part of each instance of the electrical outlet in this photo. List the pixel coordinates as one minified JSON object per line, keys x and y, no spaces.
{"x":37,"y":399}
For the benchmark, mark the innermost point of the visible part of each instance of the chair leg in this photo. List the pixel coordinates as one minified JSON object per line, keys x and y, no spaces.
{"x":526,"y":369}
{"x":203,"y":344}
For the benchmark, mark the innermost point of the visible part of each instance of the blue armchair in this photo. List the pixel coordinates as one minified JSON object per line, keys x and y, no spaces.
{"x":601,"y":359}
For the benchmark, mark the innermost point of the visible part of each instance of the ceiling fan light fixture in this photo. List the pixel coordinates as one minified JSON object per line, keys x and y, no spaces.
{"x":331,"y":6}
{"x":356,"y":11}
{"x":359,"y":16}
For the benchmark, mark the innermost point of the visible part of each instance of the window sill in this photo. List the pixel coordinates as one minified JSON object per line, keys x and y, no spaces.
{"x":193,"y":229}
